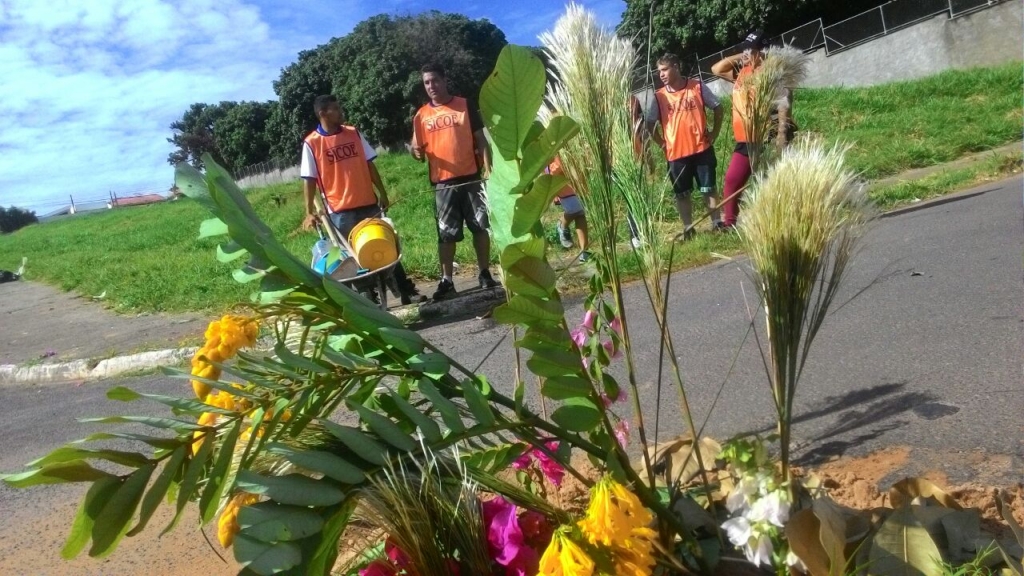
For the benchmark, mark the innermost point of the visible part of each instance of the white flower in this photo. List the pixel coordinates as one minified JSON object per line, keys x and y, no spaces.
{"x":794,"y":561}
{"x":739,"y":497}
{"x":738,"y":530}
{"x":759,"y":550}
{"x":771,"y":508}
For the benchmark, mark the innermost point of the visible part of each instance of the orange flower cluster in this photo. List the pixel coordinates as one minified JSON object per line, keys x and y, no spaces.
{"x":227,"y":524}
{"x":224,"y":337}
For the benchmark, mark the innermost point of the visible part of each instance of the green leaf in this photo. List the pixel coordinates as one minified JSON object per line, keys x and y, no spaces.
{"x":95,"y":500}
{"x":355,"y":310}
{"x":193,"y":470}
{"x":246,"y":275}
{"x":432,"y":364}
{"x":510,"y":98}
{"x":493,"y":460}
{"x":298,"y":362}
{"x":528,"y":310}
{"x":162,"y":423}
{"x":539,"y":153}
{"x":477,"y":403}
{"x":554,"y":363}
{"x":325,"y":463}
{"x":122,"y":394}
{"x":359,"y":442}
{"x":902,"y":546}
{"x":294,"y":489}
{"x":385,"y":428}
{"x":192,"y":184}
{"x":266,"y":559}
{"x":230,"y":251}
{"x":543,"y":338}
{"x":403,"y":340}
{"x":71,"y":453}
{"x":216,"y":479}
{"x":530,"y":206}
{"x":56,"y":473}
{"x":270,"y":522}
{"x":449,"y":411}
{"x":536,"y":129}
{"x":112,"y":522}
{"x":212,"y":227}
{"x":347,"y":359}
{"x":163,"y":443}
{"x":531,"y":276}
{"x":431,"y":431}
{"x":327,"y":551}
{"x":566,"y":387}
{"x":577,"y":415}
{"x":159,"y":489}
{"x":531,"y":248}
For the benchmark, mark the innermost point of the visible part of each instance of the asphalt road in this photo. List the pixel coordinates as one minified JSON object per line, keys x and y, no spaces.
{"x":927,"y":355}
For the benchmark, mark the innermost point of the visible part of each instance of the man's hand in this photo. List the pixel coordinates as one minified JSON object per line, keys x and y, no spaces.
{"x":383,"y":202}
{"x":309,"y":221}
{"x":419,"y":152}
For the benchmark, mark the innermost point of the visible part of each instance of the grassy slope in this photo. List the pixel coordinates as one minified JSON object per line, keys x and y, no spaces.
{"x":147,"y":258}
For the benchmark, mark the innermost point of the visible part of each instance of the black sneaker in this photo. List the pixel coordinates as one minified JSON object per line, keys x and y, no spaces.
{"x":445,"y":288}
{"x":722,"y":227}
{"x":410,"y":297}
{"x":486,"y":281}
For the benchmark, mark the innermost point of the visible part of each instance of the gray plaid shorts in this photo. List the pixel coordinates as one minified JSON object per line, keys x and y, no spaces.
{"x":459,"y":202}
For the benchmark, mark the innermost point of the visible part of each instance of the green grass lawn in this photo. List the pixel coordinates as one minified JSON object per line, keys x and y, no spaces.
{"x":147,"y":258}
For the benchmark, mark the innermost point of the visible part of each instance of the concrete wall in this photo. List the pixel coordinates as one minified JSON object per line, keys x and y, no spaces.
{"x":988,"y":37}
{"x":272,"y":177}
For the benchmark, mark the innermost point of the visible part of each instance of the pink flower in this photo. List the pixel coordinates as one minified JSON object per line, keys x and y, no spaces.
{"x":622,"y":433}
{"x":524,"y":461}
{"x":613,"y":350}
{"x":397,"y":556}
{"x":616,"y":326}
{"x":378,"y":568}
{"x":579,"y":336}
{"x":505,"y":538}
{"x":588,"y":320}
{"x":608,"y":401}
{"x":537,"y":530}
{"x":551,"y":469}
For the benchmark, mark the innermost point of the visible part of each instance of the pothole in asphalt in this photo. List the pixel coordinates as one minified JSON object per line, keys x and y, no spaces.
{"x":935,"y":410}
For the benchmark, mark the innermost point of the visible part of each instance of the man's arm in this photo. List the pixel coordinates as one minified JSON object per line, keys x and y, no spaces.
{"x":418,"y":150}
{"x":309,"y":194}
{"x":726,"y":67}
{"x":382,"y":194}
{"x":717,"y":128}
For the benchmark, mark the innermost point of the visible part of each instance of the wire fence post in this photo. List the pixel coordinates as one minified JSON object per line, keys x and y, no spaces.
{"x":881,"y":13}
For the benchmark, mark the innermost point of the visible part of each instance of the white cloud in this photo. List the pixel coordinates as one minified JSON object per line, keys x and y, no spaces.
{"x":90,"y":88}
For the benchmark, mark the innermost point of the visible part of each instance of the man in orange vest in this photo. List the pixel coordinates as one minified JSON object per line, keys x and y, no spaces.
{"x":689,"y":146}
{"x":448,"y":134}
{"x":737,"y":69}
{"x":338,"y":161}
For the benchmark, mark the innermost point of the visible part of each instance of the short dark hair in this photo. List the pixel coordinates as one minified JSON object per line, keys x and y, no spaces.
{"x":322,"y":102}
{"x":670,"y":59}
{"x":435,"y":68}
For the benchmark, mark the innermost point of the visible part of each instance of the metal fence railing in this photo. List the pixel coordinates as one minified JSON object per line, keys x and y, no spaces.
{"x":262,"y":168}
{"x":858,"y":29}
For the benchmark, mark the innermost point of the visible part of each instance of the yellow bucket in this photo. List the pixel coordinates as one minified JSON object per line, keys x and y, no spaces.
{"x":374,"y":243}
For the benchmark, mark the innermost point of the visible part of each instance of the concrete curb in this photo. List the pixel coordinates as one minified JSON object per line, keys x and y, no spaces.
{"x":92,"y":369}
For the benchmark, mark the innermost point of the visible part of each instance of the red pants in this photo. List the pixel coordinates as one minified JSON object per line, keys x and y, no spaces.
{"x":736,"y":176}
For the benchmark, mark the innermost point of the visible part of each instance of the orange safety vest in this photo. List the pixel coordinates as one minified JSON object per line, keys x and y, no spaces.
{"x":683,"y":120}
{"x":343,"y":174}
{"x":445,"y":129}
{"x":740,"y":102}
{"x":555,"y":169}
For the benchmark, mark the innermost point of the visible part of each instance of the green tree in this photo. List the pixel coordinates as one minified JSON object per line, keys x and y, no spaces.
{"x":241,"y":134}
{"x":374,"y":71}
{"x":15,"y":218}
{"x":692,"y":28}
{"x":193,"y":133}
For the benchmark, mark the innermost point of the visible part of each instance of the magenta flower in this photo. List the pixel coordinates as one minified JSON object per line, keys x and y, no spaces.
{"x":588,"y":320}
{"x":608,"y":401}
{"x":551,"y":469}
{"x":579,"y":336}
{"x":505,"y":538}
{"x":613,"y":350}
{"x":622,"y":433}
{"x":378,"y":568}
{"x":616,"y":326}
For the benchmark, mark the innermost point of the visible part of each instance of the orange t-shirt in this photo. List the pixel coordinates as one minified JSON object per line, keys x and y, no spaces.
{"x":342,"y":172}
{"x":683,"y":120}
{"x":555,"y":169}
{"x":447,"y":131}
{"x":740,"y":102}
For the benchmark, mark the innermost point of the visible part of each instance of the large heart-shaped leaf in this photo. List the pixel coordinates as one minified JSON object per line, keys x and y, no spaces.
{"x":903,"y":547}
{"x":510,"y":98}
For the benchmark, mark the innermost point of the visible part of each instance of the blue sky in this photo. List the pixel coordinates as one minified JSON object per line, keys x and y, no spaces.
{"x":90,"y":87}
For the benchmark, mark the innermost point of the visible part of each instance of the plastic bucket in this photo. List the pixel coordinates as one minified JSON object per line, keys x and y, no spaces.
{"x":374,"y":243}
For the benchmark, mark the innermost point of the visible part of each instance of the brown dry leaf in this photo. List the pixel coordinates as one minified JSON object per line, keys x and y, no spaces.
{"x":962,"y":528}
{"x":906,"y":490}
{"x":674,"y":457}
{"x":802,"y":534}
{"x":694,"y":516}
{"x":1007,"y":515}
{"x":832,"y":533}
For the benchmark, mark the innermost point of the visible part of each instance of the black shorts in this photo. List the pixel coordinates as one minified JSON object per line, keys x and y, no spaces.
{"x":458,"y":202}
{"x":700,"y":167}
{"x":346,"y":220}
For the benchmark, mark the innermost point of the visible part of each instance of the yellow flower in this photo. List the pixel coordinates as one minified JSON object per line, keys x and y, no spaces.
{"x":612,"y":515}
{"x":227,"y":524}
{"x":205,"y":419}
{"x":201,"y":389}
{"x":563,"y":557}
